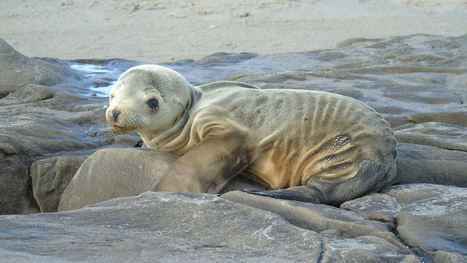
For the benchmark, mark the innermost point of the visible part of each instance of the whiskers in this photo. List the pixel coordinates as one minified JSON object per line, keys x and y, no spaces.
{"x":106,"y":131}
{"x":136,"y":122}
{"x":127,"y":124}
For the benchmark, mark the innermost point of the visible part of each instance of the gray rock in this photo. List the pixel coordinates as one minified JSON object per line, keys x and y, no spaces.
{"x":40,"y":126}
{"x":440,"y":135}
{"x":50,"y":177}
{"x":17,"y":70}
{"x":318,"y":217}
{"x":427,"y":164}
{"x":15,"y":190}
{"x":428,"y":218}
{"x":376,"y":206}
{"x":443,"y":256}
{"x":27,"y":94}
{"x":39,"y":121}
{"x":169,"y":227}
{"x":432,"y":217}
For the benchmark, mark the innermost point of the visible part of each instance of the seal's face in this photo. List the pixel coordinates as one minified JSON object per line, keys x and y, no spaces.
{"x":147,"y":99}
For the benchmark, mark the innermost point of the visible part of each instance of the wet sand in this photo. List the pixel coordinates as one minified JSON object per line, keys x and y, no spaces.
{"x":161,"y":31}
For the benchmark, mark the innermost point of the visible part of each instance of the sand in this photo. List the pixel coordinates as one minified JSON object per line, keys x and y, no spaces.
{"x":160,"y":31}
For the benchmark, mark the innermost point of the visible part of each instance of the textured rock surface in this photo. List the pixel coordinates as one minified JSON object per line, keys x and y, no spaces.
{"x":417,"y":82}
{"x":169,"y":227}
{"x":43,"y":113}
{"x":50,"y":177}
{"x":15,"y":190}
{"x":376,"y":206}
{"x":432,"y":217}
{"x":422,"y":163}
{"x":17,"y":70}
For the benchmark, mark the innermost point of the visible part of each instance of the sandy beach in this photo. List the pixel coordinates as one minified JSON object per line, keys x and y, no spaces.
{"x":159,"y":31}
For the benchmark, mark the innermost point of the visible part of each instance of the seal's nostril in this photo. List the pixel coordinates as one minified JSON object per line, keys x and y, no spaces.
{"x":115,"y":114}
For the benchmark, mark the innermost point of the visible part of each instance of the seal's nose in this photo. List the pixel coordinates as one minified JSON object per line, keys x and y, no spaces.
{"x":115,"y":114}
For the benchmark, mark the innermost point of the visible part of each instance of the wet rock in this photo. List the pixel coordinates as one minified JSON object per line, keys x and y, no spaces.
{"x":180,"y":227}
{"x":432,"y":217}
{"x":50,"y":177}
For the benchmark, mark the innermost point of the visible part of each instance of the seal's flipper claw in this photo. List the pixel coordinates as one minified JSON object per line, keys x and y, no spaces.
{"x":250,"y":191}
{"x":307,"y":194}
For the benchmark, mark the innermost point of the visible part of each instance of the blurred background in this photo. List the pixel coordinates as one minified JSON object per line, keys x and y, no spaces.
{"x":168,"y":30}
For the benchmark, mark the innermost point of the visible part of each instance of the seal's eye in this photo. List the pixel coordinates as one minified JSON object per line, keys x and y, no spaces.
{"x":153,"y":104}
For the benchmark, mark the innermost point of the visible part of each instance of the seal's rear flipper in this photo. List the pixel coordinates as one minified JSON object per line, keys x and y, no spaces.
{"x":308,"y":194}
{"x":370,"y":177}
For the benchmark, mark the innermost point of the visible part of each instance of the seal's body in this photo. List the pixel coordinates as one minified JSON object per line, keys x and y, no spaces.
{"x":320,"y":147}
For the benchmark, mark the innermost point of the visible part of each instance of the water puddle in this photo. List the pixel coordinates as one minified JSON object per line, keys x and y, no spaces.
{"x":99,"y":78}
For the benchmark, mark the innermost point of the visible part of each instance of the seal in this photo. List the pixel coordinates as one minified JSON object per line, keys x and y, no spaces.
{"x":304,"y":145}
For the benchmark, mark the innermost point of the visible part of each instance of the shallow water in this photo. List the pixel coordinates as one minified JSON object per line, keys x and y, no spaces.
{"x":101,"y":78}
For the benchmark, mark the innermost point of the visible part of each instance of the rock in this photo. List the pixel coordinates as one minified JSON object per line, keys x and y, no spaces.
{"x":15,"y":187}
{"x":440,"y":135}
{"x":432,"y":217}
{"x":443,"y":256}
{"x":376,"y":206}
{"x":17,"y":70}
{"x":50,"y":177}
{"x":27,"y":94}
{"x":117,"y":172}
{"x":42,"y":116}
{"x":318,"y":217}
{"x":170,"y":227}
{"x":42,"y":126}
{"x":429,"y":218}
{"x":427,"y":164}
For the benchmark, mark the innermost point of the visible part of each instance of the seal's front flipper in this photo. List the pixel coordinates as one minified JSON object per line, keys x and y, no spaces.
{"x":223,"y":152}
{"x":307,"y":193}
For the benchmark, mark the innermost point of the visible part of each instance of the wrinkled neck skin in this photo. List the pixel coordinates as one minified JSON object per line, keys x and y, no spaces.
{"x":156,"y":139}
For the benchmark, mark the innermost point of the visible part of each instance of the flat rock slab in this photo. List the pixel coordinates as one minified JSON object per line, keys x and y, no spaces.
{"x":407,"y":223}
{"x":432,"y":217}
{"x":168,"y":227}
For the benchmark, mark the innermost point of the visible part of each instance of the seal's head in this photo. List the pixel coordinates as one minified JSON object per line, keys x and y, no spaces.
{"x":148,"y":99}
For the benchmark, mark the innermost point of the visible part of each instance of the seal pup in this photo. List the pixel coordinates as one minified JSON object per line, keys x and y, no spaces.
{"x":304,"y":145}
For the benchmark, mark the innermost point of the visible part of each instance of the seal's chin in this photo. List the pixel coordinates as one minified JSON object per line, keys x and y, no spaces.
{"x":122,"y":129}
